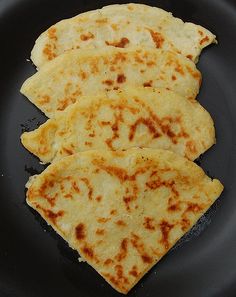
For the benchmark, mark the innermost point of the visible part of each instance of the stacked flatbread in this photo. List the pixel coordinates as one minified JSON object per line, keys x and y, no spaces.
{"x":119,"y":86}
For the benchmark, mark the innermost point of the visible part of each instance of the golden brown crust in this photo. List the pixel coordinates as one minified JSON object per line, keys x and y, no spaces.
{"x":122,"y":26}
{"x":90,"y":72}
{"x":122,"y":243}
{"x":140,"y":117}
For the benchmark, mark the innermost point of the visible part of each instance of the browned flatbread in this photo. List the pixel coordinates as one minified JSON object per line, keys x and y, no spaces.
{"x":123,"y":25}
{"x":122,"y":211}
{"x":90,"y":72}
{"x":140,"y":117}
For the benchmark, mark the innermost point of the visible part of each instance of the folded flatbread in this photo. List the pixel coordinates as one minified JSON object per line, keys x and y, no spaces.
{"x":122,"y":211}
{"x":122,"y":26}
{"x":140,"y":117}
{"x":90,"y":72}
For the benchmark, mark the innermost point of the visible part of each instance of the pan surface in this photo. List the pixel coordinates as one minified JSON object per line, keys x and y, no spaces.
{"x":34,"y":260}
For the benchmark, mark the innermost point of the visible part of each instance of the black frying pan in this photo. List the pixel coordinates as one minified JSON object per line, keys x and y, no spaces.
{"x":34,"y":260}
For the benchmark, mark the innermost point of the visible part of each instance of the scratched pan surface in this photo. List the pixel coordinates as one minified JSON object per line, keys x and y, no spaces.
{"x":36,"y":262}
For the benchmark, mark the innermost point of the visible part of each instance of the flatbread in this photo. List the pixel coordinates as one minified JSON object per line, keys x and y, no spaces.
{"x":122,"y":211}
{"x":90,"y":72}
{"x":122,"y":26}
{"x":142,"y":117}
